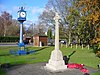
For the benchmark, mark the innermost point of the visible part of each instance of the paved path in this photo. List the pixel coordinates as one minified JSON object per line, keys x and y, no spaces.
{"x":38,"y":69}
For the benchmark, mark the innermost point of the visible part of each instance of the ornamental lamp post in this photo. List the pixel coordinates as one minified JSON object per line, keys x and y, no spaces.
{"x":21,"y":19}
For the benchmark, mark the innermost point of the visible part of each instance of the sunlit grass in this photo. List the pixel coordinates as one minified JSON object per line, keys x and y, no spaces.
{"x":42,"y":54}
{"x":98,"y":73}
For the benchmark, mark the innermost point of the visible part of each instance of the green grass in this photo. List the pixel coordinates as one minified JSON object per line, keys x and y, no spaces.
{"x":2,"y":72}
{"x":98,"y":73}
{"x":84,"y":56}
{"x":42,"y":55}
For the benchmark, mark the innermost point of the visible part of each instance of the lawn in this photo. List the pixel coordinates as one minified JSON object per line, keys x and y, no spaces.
{"x":42,"y":54}
{"x":98,"y":73}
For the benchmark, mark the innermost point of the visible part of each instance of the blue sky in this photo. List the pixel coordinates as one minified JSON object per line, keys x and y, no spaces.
{"x":33,"y":7}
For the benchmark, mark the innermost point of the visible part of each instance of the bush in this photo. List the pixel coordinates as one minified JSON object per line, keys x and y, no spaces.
{"x":95,"y":44}
{"x":9,"y":39}
{"x":98,"y":54}
{"x":95,"y":48}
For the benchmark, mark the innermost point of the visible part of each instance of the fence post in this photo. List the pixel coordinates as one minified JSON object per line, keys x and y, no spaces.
{"x":76,"y":46}
{"x":82,"y":46}
{"x":71,"y":45}
{"x":88,"y":47}
{"x":66,"y":45}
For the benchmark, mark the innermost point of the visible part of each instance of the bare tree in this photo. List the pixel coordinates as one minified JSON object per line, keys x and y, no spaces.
{"x":47,"y":17}
{"x":13,"y":29}
{"x":6,"y":19}
{"x":62,"y":7}
{"x":38,"y":28}
{"x":8,"y":26}
{"x":1,"y":26}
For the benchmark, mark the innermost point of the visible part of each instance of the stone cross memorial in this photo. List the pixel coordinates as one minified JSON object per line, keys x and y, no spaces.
{"x":56,"y":62}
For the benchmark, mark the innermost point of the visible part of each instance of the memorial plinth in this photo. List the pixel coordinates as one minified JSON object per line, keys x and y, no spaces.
{"x":56,"y":62}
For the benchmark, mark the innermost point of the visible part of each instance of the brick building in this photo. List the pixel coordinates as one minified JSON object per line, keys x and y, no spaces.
{"x":38,"y":38}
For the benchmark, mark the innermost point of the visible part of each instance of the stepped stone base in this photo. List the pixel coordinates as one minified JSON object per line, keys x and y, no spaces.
{"x":56,"y":62}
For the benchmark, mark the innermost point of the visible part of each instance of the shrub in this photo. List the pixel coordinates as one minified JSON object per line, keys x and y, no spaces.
{"x":9,"y":39}
{"x":95,"y":48}
{"x":95,"y":45}
{"x":98,"y":54}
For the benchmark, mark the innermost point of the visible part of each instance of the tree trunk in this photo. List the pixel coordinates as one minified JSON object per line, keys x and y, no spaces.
{"x":5,"y":29}
{"x":69,"y":38}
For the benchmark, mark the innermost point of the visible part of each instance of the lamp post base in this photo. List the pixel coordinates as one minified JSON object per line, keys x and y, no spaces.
{"x":21,"y":49}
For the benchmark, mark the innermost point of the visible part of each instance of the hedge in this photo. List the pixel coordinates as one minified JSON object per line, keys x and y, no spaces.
{"x":9,"y":39}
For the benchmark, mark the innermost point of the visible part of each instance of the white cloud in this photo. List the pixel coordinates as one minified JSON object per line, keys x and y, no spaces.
{"x":15,"y":8}
{"x":32,"y":13}
{"x":34,"y":9}
{"x":37,"y":10}
{"x":30,"y":9}
{"x":2,"y":7}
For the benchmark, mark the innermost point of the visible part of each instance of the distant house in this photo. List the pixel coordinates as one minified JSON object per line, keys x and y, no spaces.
{"x":40,"y":38}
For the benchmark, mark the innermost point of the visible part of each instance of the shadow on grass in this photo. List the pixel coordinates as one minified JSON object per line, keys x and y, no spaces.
{"x":91,"y":51}
{"x":2,"y":72}
{"x":5,"y":65}
{"x":36,"y":51}
{"x":41,"y":49}
{"x":5,"y":54}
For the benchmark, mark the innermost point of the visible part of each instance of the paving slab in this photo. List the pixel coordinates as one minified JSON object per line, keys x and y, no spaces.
{"x":38,"y":69}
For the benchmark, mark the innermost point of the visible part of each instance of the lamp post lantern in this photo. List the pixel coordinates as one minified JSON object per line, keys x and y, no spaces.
{"x":21,"y":19}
